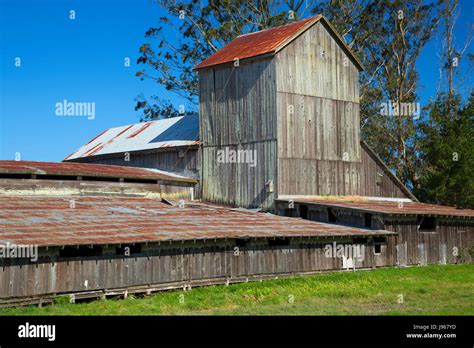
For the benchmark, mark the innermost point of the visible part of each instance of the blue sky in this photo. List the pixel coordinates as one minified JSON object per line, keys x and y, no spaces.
{"x":82,"y":60}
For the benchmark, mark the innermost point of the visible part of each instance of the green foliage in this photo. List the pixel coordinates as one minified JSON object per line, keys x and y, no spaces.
{"x":447,"y":152}
{"x":155,"y":108}
{"x":61,"y":300}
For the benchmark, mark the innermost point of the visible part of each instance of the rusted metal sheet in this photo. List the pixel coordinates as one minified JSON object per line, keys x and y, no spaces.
{"x":54,"y":221}
{"x":269,"y":41}
{"x":255,"y":44}
{"x":85,"y":169}
{"x":391,"y":207}
{"x":170,"y":132}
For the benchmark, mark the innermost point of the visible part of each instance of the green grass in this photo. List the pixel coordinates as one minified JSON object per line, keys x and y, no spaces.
{"x":431,"y":290}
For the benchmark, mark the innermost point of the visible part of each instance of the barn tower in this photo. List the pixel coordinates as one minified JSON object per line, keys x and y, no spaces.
{"x":288,"y":98}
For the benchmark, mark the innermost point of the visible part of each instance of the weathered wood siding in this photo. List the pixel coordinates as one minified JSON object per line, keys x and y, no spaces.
{"x":237,"y":109}
{"x":451,"y":242}
{"x":315,"y":65}
{"x":377,"y":181}
{"x":318,"y":117}
{"x":178,"y":264}
{"x":182,"y":265}
{"x":183,"y":160}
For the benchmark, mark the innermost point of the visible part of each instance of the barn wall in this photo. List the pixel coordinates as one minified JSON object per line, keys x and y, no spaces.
{"x":188,"y":163}
{"x":238,"y":112}
{"x":185,"y":161}
{"x":376,"y":181}
{"x":181,"y":264}
{"x":315,"y":65}
{"x":410,"y":246}
{"x":318,"y":117}
{"x":452,"y":236}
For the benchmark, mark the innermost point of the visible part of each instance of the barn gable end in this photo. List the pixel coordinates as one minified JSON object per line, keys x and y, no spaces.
{"x":318,"y":116}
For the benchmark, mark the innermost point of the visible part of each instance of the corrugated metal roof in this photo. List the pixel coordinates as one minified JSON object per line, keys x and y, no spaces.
{"x":85,"y":169}
{"x":48,"y":221}
{"x":269,"y":41}
{"x":176,"y":131}
{"x":384,"y":207}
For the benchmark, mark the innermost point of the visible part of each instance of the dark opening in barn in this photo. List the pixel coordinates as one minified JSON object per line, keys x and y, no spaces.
{"x":378,"y":242}
{"x":426,"y":223}
{"x":80,"y":251}
{"x":241,"y":243}
{"x":279,"y":242}
{"x":368,"y":220}
{"x":304,"y":211}
{"x":331,"y":216}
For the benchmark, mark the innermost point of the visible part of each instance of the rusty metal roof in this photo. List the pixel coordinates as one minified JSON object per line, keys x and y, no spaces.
{"x":270,"y":41}
{"x":11,"y":168}
{"x":170,"y":132}
{"x":50,"y":221}
{"x":391,"y":207}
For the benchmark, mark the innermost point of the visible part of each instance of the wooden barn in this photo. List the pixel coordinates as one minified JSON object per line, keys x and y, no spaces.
{"x":291,"y":96}
{"x":169,"y":144}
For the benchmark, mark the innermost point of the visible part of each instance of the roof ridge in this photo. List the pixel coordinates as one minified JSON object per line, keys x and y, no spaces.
{"x":279,"y":26}
{"x":272,"y":40}
{"x":133,"y":124}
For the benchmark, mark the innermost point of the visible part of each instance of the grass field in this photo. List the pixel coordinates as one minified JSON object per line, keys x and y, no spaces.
{"x":431,"y":290}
